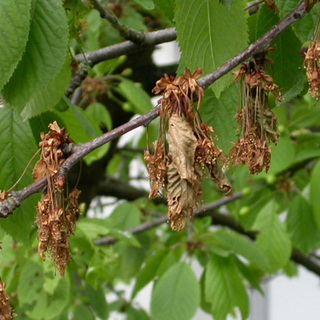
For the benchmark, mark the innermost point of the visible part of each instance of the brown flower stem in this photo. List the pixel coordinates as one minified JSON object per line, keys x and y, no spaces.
{"x":152,"y":38}
{"x":125,"y":32}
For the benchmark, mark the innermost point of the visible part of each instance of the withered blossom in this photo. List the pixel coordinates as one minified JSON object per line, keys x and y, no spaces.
{"x":184,"y":150}
{"x":56,"y":215}
{"x":257,"y":123}
{"x":312,"y":63}
{"x":6,"y":310}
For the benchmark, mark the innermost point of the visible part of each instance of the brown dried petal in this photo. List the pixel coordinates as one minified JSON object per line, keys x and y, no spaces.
{"x":40,"y":170}
{"x":182,"y":147}
{"x":6,"y":310}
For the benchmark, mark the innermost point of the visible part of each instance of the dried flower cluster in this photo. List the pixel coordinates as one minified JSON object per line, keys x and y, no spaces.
{"x":257,"y":123}
{"x":312,"y":63}
{"x":56,"y":214}
{"x":6,"y":310}
{"x":184,"y":150}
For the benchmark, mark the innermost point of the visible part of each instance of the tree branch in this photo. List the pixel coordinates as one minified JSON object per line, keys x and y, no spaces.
{"x":127,"y":33}
{"x":8,"y":205}
{"x":204,"y":210}
{"x":117,"y":50}
{"x":223,"y":220}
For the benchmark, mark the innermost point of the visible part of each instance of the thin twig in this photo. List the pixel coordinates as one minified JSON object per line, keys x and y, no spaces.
{"x":223,"y":220}
{"x":127,"y":33}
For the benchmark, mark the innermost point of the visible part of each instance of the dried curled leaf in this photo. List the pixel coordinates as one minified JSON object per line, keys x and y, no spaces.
{"x":6,"y":310}
{"x":185,"y":149}
{"x":182,"y":147}
{"x":183,"y":197}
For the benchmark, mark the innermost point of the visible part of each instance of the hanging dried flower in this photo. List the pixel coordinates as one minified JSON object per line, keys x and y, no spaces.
{"x":6,"y":310}
{"x":184,"y":150}
{"x":312,"y":63}
{"x":257,"y":123}
{"x":56,"y":215}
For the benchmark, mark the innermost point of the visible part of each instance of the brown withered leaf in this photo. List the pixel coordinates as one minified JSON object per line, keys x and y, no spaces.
{"x":182,"y":147}
{"x":182,"y":198}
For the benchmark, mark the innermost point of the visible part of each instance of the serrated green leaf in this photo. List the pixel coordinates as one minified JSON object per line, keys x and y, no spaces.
{"x":209,"y":34}
{"x":224,"y":288}
{"x":139,"y":99}
{"x":220,"y":114}
{"x":241,"y":245}
{"x":285,"y":6}
{"x":176,"y":295}
{"x":92,"y":228}
{"x":15,"y":23}
{"x":17,"y":148}
{"x":314,"y":193}
{"x":44,"y":55}
{"x":147,"y":4}
{"x":301,"y":225}
{"x":43,"y":100}
{"x":272,"y":239}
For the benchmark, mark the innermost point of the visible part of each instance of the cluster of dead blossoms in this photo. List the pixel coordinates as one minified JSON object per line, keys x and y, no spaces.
{"x":185,"y":149}
{"x":312,"y":63}
{"x":6,"y":310}
{"x":56,"y":213}
{"x":257,"y":123}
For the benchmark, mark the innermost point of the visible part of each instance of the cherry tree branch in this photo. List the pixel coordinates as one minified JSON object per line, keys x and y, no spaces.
{"x":262,"y":44}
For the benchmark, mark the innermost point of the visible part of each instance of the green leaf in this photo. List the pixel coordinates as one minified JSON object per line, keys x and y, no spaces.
{"x":241,"y":245}
{"x":286,"y":72}
{"x":15,"y":24}
{"x":92,"y":228}
{"x":83,"y":312}
{"x":100,"y":114}
{"x":17,"y":148}
{"x":98,"y":301}
{"x":272,"y":239}
{"x":282,"y":155}
{"x":43,"y":100}
{"x":314,"y":193}
{"x":224,"y":288}
{"x":220,"y":114}
{"x":167,"y":6}
{"x":209,"y":34}
{"x":301,"y":225}
{"x":44,"y":55}
{"x":285,"y":6}
{"x":124,"y":217}
{"x":149,"y":271}
{"x":136,"y":314}
{"x":176,"y":295}
{"x":30,"y":283}
{"x":139,"y":99}
{"x":147,"y":4}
